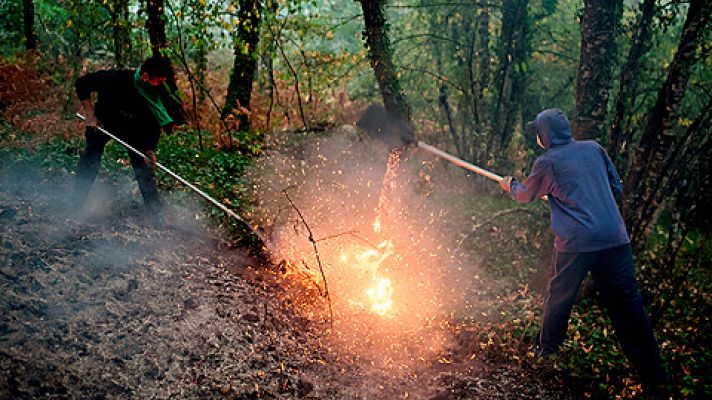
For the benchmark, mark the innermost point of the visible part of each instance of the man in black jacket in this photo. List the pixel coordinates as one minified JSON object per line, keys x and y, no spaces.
{"x":134,"y":105}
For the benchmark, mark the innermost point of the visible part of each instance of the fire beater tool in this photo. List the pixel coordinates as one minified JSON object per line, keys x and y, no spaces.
{"x":397,"y":133}
{"x":192,"y":187}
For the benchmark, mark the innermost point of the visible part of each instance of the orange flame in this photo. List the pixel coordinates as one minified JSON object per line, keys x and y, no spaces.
{"x":380,"y":294}
{"x":381,"y":291}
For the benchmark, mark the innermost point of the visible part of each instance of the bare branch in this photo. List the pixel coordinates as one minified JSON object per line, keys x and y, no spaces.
{"x":352,"y":234}
{"x":316,"y":254}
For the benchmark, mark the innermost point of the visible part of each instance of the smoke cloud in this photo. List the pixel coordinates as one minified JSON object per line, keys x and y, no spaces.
{"x":336,"y":182}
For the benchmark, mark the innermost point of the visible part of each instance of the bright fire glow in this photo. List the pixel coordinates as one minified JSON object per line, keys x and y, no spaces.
{"x":380,"y":288}
{"x":380,"y":295}
{"x":380,"y":292}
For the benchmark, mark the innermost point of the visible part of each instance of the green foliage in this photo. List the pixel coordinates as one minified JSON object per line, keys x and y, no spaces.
{"x":554,"y":62}
{"x":11,"y":28}
{"x":218,"y":173}
{"x":680,"y":300}
{"x":592,"y":353}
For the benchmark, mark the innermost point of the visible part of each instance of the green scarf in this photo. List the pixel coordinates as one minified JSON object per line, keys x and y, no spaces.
{"x":150,"y":94}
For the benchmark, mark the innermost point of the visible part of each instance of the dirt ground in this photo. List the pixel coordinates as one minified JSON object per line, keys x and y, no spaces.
{"x":112,"y":308}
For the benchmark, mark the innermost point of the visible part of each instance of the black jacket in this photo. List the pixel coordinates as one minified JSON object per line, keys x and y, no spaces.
{"x":122,"y":110}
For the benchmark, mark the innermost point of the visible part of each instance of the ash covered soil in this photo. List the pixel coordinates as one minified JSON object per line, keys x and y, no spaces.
{"x":112,"y":308}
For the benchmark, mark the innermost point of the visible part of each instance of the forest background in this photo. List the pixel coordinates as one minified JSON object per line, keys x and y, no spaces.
{"x":468,"y":75}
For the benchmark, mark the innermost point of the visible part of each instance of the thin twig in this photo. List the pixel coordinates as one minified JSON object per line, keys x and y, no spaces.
{"x":192,"y":79}
{"x":316,"y":253}
{"x":350,"y":233}
{"x":296,"y":86}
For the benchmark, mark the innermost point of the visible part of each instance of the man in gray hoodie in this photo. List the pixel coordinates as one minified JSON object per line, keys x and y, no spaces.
{"x":582,"y":185}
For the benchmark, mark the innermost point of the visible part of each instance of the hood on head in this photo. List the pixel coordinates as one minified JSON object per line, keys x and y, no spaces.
{"x":553,"y":128}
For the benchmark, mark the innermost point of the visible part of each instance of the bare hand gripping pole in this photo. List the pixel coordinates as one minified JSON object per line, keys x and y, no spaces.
{"x":181,"y":180}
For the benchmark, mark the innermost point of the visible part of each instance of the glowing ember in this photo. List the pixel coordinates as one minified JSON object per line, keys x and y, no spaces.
{"x":389,"y":182}
{"x":377,"y":224}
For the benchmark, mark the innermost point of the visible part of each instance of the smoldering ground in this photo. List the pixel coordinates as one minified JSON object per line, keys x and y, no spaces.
{"x":110,"y":307}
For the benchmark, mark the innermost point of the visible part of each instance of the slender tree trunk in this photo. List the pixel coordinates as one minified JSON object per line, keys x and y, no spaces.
{"x":443,"y":98}
{"x":639,"y":208}
{"x":522,"y":52}
{"x":599,"y":25}
{"x":268,"y":55}
{"x":201,"y":66}
{"x":619,"y":146}
{"x":445,"y":106}
{"x":239,"y":90}
{"x":119,"y":11}
{"x":484,"y":53}
{"x":28,"y":14}
{"x":509,"y":79}
{"x":156,"y":26}
{"x":380,"y":54}
{"x":480,"y":105}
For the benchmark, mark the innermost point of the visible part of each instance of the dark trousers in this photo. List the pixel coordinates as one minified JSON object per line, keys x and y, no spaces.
{"x":614,"y":275}
{"x":88,"y":167}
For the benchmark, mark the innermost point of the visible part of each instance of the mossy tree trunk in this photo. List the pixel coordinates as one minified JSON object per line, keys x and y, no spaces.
{"x":121,"y":32}
{"x":381,"y":57}
{"x":239,"y":91}
{"x":599,"y":27}
{"x":156,"y":26}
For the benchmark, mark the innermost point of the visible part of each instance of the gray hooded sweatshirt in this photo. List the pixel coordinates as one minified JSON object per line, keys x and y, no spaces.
{"x":581,"y":184}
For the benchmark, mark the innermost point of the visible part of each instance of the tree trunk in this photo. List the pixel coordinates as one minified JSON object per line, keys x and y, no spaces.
{"x":156,"y":26}
{"x":484,"y":78}
{"x":599,"y":25}
{"x":380,"y":55}
{"x":201,"y":66}
{"x":619,"y":146}
{"x":484,"y":53}
{"x":651,"y":157}
{"x":522,"y":53}
{"x":28,"y":14}
{"x":513,"y":54}
{"x":239,"y":89}
{"x":119,"y":11}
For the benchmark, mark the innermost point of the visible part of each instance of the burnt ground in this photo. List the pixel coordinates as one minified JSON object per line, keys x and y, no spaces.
{"x":112,"y":308}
